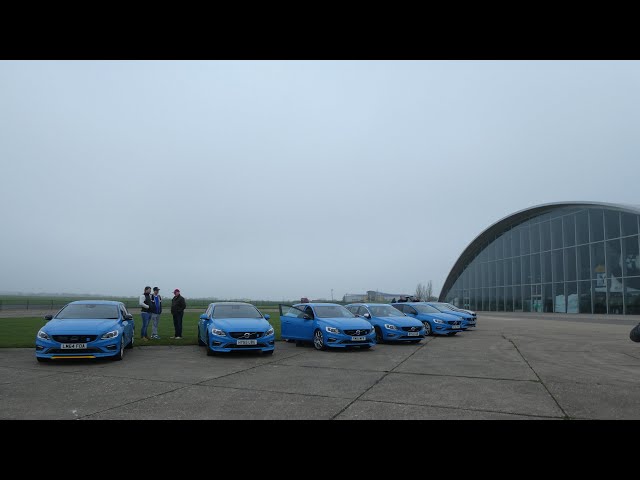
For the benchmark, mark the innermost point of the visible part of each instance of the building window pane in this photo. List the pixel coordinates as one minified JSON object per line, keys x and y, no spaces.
{"x":612,"y":223}
{"x":597,"y":262}
{"x":557,"y":264}
{"x":525,"y":270}
{"x":629,"y":224}
{"x":584,"y":292}
{"x":547,"y":298}
{"x":498,"y":245}
{"x":491,"y":252}
{"x":545,"y":236}
{"x":526,"y":299}
{"x":507,"y":244}
{"x":534,"y":236}
{"x":546,"y":266}
{"x":556,"y":233}
{"x":631,"y":263}
{"x":515,"y":242}
{"x":516,"y":271}
{"x":559,"y":302}
{"x":614,"y":258}
{"x":500,"y":292}
{"x":517,"y":299}
{"x":507,"y":271}
{"x":570,"y":264}
{"x":508,"y":299}
{"x":536,"y":277}
{"x":584,"y":264}
{"x":492,"y":299}
{"x":569,"y":230}
{"x":500,"y":272}
{"x":571,"y":291}
{"x":525,"y":241}
{"x":582,"y":227}
{"x":492,"y":274}
{"x":615,"y":296}
{"x":632,"y":295}
{"x":596,"y":223}
{"x":599,"y":296}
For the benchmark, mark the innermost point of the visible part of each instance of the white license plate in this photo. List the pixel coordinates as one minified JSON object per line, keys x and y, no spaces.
{"x":413,"y":334}
{"x":73,"y":346}
{"x":358,"y":339}
{"x":455,"y":326}
{"x":247,"y":342}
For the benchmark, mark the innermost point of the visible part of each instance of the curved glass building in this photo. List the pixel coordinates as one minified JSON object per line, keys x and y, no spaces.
{"x":568,"y":257}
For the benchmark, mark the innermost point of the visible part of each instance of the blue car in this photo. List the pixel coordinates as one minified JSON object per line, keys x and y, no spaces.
{"x":326,"y":325}
{"x":435,"y":322}
{"x":468,"y":320}
{"x":86,"y":329}
{"x":235,"y":326}
{"x":390,"y":324}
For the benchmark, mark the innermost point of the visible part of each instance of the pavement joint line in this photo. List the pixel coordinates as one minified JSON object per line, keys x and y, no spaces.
{"x":464,"y":376}
{"x":566,"y":415}
{"x":632,"y":356}
{"x":382,"y":377}
{"x":270,"y":391}
{"x":463,"y":409}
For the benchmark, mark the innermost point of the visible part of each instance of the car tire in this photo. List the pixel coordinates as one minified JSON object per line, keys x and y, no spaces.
{"x":130,"y":344}
{"x":210,"y":353}
{"x":318,"y":340}
{"x":200,"y":342}
{"x":42,"y":359}
{"x":120,"y":355}
{"x":427,"y":329}
{"x":379,"y":337}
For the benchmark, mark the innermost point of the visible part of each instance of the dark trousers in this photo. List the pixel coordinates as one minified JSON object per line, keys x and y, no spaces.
{"x":177,"y":323}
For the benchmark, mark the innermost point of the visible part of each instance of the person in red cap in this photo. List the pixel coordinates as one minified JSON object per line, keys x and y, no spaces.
{"x":178,"y":306}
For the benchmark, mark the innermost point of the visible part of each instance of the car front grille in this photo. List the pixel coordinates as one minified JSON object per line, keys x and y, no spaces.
{"x":411,"y":329}
{"x":454,"y":322}
{"x":74,"y":338}
{"x":75,"y":351}
{"x":357,"y":332}
{"x":240,"y":347}
{"x":245,"y":334}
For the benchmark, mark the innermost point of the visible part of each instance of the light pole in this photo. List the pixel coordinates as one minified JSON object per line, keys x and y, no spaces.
{"x":332,"y":294}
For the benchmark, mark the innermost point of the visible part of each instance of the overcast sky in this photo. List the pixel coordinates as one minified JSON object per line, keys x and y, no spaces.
{"x":282,"y":179}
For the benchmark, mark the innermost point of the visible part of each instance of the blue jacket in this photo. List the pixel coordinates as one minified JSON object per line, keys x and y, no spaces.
{"x":156,"y":304}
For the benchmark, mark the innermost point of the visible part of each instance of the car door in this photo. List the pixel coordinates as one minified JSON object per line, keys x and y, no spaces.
{"x":290,"y":321}
{"x":203,"y":323}
{"x":307,"y":324}
{"x":409,"y":310}
{"x":126,"y":324}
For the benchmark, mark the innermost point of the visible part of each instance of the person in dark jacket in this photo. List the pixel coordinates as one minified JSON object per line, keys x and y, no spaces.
{"x":178,"y":305}
{"x":155,"y":310}
{"x":145,"y":304}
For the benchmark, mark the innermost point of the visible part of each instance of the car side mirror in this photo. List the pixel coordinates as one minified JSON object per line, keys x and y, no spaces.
{"x":203,"y":316}
{"x":367,"y":315}
{"x":48,"y":317}
{"x":306,"y":317}
{"x":267,"y":316}
{"x":128,"y":316}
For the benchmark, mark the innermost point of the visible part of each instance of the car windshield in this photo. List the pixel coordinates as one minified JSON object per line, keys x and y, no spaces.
{"x":426,"y":309}
{"x":89,"y":311}
{"x":385,"y":311}
{"x":236,"y":311}
{"x":333,"y":311}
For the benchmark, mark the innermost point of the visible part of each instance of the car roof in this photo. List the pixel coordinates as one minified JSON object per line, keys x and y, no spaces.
{"x":95,"y":302}
{"x":231,"y":303}
{"x":318,"y":304}
{"x":371,"y":304}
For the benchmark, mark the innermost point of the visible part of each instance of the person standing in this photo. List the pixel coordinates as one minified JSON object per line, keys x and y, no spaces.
{"x":156,"y":310}
{"x":178,"y":305}
{"x":145,"y":304}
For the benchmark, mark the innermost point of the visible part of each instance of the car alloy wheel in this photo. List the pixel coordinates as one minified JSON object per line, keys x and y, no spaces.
{"x":318,"y":340}
{"x":379,"y":337}
{"x":427,"y":328}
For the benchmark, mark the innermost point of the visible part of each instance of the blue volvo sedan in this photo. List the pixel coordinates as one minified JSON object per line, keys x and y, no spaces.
{"x":86,"y":329}
{"x":326,"y":325}
{"x":390,"y":324}
{"x":434,"y":321}
{"x":235,"y":326}
{"x":468,"y":320}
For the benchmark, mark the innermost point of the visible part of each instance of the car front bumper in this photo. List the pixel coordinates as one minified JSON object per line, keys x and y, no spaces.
{"x":219,"y":343}
{"x":97,"y":349}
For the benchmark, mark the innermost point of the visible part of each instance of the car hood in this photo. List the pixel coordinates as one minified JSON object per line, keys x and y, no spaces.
{"x":400,"y":321}
{"x":440,"y":316}
{"x":241,"y":324}
{"x":89,"y":325}
{"x":464,"y":315}
{"x":347,"y":323}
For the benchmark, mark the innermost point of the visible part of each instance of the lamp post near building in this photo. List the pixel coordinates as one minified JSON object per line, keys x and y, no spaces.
{"x":332,"y":294}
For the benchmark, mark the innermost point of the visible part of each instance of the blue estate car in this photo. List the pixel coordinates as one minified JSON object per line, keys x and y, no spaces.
{"x":326,"y":325}
{"x":234,"y":326}
{"x":434,"y":321}
{"x":468,"y":320}
{"x":390,"y":324}
{"x":86,"y":329}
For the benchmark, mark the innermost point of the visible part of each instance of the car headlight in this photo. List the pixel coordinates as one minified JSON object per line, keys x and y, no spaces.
{"x":269,"y":332}
{"x":43,"y":335}
{"x":437,"y":320}
{"x":332,"y":330}
{"x":111,"y":334}
{"x":217,"y":331}
{"x":388,"y":326}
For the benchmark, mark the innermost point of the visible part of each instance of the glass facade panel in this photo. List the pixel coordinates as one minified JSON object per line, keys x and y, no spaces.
{"x":570,"y":264}
{"x":569,"y":230}
{"x":631,"y":257}
{"x":572,"y":260}
{"x":611,"y":224}
{"x":596,"y":222}
{"x":632,"y":295}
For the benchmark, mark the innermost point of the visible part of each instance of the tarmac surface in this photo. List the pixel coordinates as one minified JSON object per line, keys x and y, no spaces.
{"x":512,"y":366}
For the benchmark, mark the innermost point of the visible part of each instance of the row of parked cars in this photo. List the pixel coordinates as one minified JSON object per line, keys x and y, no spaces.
{"x":102,"y":328}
